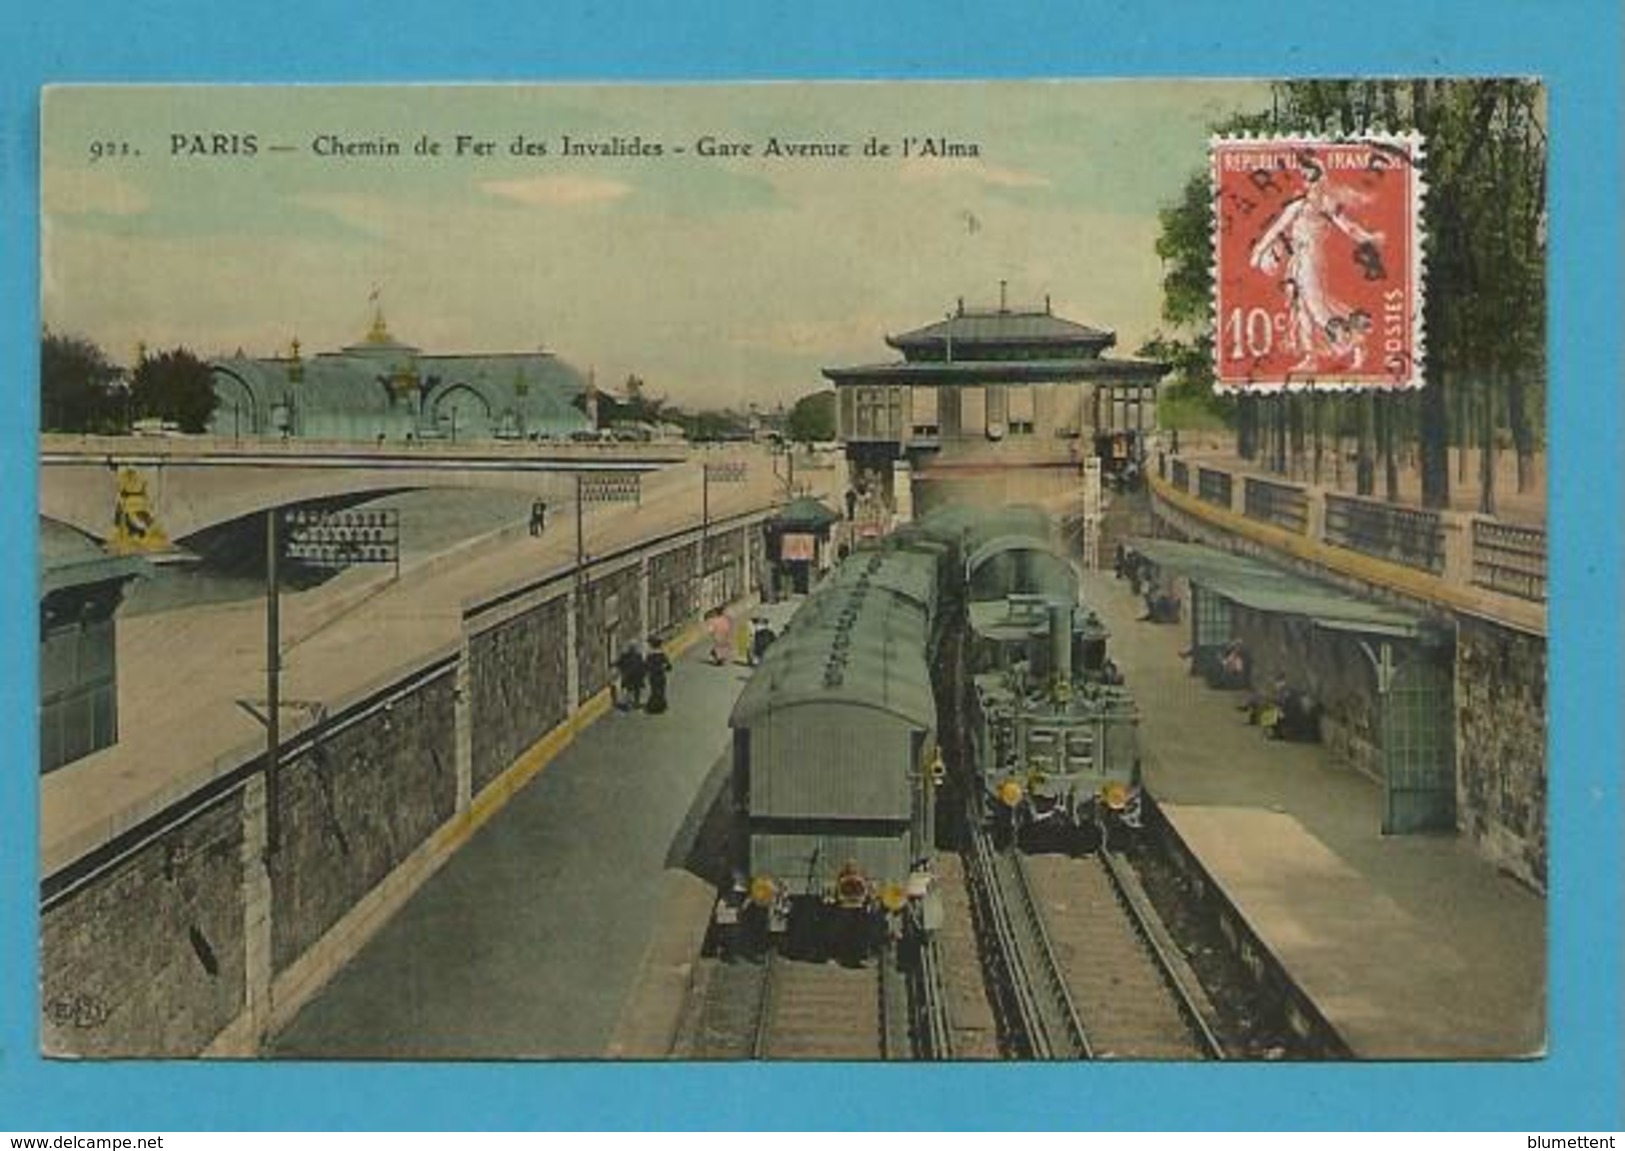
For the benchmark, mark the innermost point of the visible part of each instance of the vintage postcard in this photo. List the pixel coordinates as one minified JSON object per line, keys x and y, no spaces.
{"x":836,"y":571}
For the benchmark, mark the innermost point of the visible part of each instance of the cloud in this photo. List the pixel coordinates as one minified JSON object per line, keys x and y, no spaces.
{"x":815,"y":337}
{"x":989,"y":175}
{"x":86,"y":191}
{"x":559,"y":191}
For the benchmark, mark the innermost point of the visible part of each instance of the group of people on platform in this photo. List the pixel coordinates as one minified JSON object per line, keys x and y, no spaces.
{"x":636,"y":670}
{"x":1281,"y":710}
{"x":755,"y":640}
{"x":1161,"y":605}
{"x":1284,"y":712}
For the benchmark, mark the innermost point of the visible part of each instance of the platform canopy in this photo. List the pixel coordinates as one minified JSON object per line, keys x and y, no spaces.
{"x":69,"y":559}
{"x":806,"y":514}
{"x":1261,"y":586}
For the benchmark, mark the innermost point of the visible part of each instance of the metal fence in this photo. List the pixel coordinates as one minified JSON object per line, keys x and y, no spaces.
{"x":1213,"y":487}
{"x":1280,"y":504}
{"x":1404,"y":535}
{"x":1509,"y":558}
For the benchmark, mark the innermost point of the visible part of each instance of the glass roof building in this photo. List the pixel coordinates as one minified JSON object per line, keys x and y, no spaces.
{"x":383,"y":389}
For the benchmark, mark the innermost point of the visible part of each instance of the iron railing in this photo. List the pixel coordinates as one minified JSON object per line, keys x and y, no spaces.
{"x":1510,"y":558}
{"x":1213,"y":486}
{"x":1283,"y":505}
{"x":1406,"y":536}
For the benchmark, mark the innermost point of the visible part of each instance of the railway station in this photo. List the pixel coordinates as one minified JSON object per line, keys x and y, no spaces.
{"x":1017,"y":698}
{"x":1021,"y":762}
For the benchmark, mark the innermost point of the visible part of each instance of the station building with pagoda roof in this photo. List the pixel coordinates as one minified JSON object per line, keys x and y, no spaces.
{"x":383,"y":389}
{"x":991,"y":406}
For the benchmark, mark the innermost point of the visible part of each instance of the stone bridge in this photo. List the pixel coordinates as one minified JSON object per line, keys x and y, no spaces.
{"x":190,"y":484}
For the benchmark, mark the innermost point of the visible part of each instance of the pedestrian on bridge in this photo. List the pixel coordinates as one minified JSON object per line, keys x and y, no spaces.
{"x":538,"y":517}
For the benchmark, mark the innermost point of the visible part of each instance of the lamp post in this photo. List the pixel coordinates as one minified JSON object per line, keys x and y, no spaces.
{"x":787,"y":449}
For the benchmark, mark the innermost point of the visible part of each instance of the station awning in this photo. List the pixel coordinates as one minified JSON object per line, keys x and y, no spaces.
{"x":1261,"y":586}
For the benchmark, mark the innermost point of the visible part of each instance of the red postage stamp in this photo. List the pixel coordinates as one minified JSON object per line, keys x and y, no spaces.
{"x":1317,"y":263}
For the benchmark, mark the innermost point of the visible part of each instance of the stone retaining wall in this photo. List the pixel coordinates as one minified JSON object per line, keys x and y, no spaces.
{"x":187,"y":936}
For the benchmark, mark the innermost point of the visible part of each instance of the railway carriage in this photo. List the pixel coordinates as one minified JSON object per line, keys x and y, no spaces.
{"x":836,"y":760}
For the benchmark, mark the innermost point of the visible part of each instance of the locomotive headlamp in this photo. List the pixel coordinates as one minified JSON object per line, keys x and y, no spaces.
{"x":1009,"y":793}
{"x":893,"y":896}
{"x":850,"y":886}
{"x":1114,"y":795}
{"x":762,"y":889}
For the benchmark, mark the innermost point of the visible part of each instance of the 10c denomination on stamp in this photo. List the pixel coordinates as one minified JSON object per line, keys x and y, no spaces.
{"x":1318,"y":278}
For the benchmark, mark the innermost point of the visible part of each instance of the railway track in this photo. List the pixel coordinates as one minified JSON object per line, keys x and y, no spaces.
{"x":1124,"y":975}
{"x":1082,"y":967}
{"x":1038,"y":1017}
{"x":790,"y":1009}
{"x":1078,"y":967}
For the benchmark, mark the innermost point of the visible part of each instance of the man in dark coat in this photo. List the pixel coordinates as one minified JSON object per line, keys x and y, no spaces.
{"x":761,"y":638}
{"x":630,"y":665}
{"x":657,"y":666}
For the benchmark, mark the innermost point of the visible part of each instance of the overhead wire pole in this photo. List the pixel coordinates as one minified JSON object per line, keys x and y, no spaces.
{"x":328,"y":539}
{"x":273,"y":686}
{"x":601,"y":487}
{"x":726,"y":472}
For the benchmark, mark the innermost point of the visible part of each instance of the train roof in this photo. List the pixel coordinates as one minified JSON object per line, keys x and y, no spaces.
{"x":1000,"y":545}
{"x":1015,"y":520}
{"x":855,"y":643}
{"x":1020,"y":564}
{"x":910,"y":574}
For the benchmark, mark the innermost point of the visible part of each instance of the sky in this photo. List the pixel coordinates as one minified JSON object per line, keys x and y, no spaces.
{"x":721,"y":279}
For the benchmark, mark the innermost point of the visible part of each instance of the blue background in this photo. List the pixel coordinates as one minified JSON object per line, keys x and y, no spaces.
{"x":1573,"y":46}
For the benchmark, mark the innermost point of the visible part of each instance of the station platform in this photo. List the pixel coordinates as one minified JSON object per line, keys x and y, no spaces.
{"x":586,"y":893}
{"x":1412,"y":947}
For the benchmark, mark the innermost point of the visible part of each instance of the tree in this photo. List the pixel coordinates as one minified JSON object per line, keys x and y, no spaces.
{"x":812,"y":418}
{"x":175,"y":386}
{"x":75,"y":385}
{"x":1484,"y":223}
{"x":711,"y":425}
{"x":1484,"y":236}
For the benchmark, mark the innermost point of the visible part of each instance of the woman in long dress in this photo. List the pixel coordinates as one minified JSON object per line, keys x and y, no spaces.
{"x":656,"y":666}
{"x":721,"y":630}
